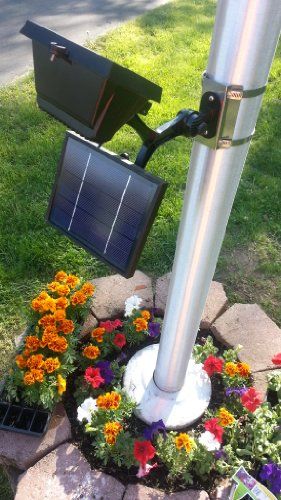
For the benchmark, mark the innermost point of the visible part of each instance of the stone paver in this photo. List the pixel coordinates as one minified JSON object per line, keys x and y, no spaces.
{"x":22,"y":451}
{"x":112,"y":291}
{"x":248,"y":325}
{"x":140,"y":492}
{"x":260,"y":382}
{"x":90,"y":323}
{"x":216,"y":302}
{"x":64,"y":474}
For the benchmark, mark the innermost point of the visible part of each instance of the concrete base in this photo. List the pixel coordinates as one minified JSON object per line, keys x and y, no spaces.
{"x":176,"y":409}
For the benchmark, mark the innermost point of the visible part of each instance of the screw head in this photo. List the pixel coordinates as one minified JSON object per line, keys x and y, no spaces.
{"x":206,"y":132}
{"x":211,"y":98}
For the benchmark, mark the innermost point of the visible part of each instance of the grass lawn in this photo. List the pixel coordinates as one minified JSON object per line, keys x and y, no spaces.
{"x":169,"y":46}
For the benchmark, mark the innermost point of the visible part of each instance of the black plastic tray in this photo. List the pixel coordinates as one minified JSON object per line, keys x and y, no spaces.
{"x":23,"y":419}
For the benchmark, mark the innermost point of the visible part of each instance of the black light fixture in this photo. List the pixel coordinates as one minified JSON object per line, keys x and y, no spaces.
{"x":89,"y":93}
{"x":104,"y":203}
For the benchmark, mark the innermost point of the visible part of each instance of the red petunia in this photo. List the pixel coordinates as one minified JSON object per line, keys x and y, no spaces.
{"x":143,"y":451}
{"x":212,"y":425}
{"x":277,"y":359}
{"x":119,"y":340}
{"x":109,"y":326}
{"x":213,"y":365}
{"x":251,"y":399}
{"x":93,"y":377}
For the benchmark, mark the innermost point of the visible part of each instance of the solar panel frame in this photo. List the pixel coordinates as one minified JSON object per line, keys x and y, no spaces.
{"x":148,"y":215}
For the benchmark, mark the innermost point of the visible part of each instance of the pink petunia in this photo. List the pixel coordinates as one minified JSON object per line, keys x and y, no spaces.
{"x":277,"y":359}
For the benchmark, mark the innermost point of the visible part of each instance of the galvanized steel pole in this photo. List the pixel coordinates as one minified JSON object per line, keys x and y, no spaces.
{"x":243,"y":45}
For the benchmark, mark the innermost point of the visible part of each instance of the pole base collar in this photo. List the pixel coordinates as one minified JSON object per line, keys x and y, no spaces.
{"x":176,"y":409}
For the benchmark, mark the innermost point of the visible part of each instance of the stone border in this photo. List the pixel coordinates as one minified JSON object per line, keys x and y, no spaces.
{"x":54,"y":468}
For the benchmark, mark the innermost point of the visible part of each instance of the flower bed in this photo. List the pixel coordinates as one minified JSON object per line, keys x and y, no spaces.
{"x":237,"y":429}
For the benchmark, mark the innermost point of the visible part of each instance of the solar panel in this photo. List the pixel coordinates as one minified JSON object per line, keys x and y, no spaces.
{"x":104,"y":203}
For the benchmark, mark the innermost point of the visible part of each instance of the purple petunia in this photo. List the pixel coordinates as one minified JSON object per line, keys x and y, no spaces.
{"x":154,"y":329}
{"x":272,"y":473}
{"x":154,"y":429}
{"x":105,"y":371}
{"x":121,"y":357}
{"x":220,"y":454}
{"x":237,"y":391}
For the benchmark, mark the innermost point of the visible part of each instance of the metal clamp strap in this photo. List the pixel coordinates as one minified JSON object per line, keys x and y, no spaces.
{"x":230,"y":98}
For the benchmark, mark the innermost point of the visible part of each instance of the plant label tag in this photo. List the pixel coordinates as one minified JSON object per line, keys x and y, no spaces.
{"x":248,"y":485}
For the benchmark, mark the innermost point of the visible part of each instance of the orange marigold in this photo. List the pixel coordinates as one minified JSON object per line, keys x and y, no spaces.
{"x":140,"y":324}
{"x":28,"y":378}
{"x":72,"y":280}
{"x":225,"y":417}
{"x":50,"y":330}
{"x":66,"y":326}
{"x":88,"y":289}
{"x":38,"y":375}
{"x":47,"y":320}
{"x":98,"y":334}
{"x":78,"y":298}
{"x":61,"y":276}
{"x":46,"y":338}
{"x":91,"y":352}
{"x":60,"y":314}
{"x":243,"y":369}
{"x":111,"y":431}
{"x":49,"y":304}
{"x":145,"y":315}
{"x":230,"y":369}
{"x":58,"y":344}
{"x":36,"y":305}
{"x":62,"y":303}
{"x":36,"y":361}
{"x":51,"y":364}
{"x":20,"y":361}
{"x":63,"y":290}
{"x":53,"y":286}
{"x":26,"y":353}
{"x":109,"y":401}
{"x":183,"y":440}
{"x":32,"y":343}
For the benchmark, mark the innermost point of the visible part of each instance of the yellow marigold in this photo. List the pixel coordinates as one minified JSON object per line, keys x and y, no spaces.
{"x":61,"y":384}
{"x":145,"y":315}
{"x":36,"y":361}
{"x":111,"y":431}
{"x":59,"y":314}
{"x":109,"y":401}
{"x":140,"y":324}
{"x":61,"y":276}
{"x":98,"y":334}
{"x":78,"y":298}
{"x":230,"y":369}
{"x":63,"y":290}
{"x":47,"y":320}
{"x":48,"y":337}
{"x":28,"y":378}
{"x":53,"y":286}
{"x":243,"y":369}
{"x":91,"y":352}
{"x":88,"y":289}
{"x":72,"y":280}
{"x":38,"y":375}
{"x":66,"y":326}
{"x":51,"y":364}
{"x":20,"y":361}
{"x":32,"y":343}
{"x":62,"y":303}
{"x":58,"y":344}
{"x":225,"y":417}
{"x":49,"y":304}
{"x":183,"y":440}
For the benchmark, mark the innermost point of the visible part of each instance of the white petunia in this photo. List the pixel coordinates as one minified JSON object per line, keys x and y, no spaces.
{"x":132,"y":303}
{"x":85,"y":410}
{"x":208,"y":440}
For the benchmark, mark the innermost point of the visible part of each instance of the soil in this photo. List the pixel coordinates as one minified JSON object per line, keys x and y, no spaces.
{"x":158,"y":477}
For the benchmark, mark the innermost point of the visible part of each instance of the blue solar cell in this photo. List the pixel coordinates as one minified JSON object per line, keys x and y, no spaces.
{"x":105,"y":204}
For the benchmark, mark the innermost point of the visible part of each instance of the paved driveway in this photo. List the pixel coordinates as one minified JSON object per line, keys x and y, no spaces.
{"x":71,"y":18}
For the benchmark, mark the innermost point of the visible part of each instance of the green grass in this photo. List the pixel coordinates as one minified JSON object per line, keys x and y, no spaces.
{"x":169,"y":46}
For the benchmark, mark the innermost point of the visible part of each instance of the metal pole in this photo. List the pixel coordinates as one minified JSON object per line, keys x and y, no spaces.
{"x":244,"y":40}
